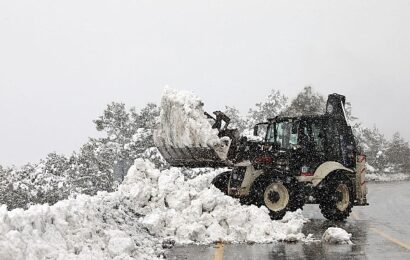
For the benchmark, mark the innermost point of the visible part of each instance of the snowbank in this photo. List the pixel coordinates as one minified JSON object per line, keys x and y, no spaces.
{"x":150,"y":208}
{"x":388,"y":174}
{"x":99,"y":227}
{"x":385,"y":177}
{"x":334,"y":235}
{"x":193,"y":211}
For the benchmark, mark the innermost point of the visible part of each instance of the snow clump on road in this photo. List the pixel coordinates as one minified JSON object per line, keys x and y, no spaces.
{"x":150,"y":209}
{"x":334,"y":235}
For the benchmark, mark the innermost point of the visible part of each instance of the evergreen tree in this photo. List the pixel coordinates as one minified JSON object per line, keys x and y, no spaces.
{"x":92,"y":168}
{"x":128,"y":134}
{"x":146,"y":121}
{"x":56,"y":164}
{"x":375,"y":145}
{"x":148,"y":116}
{"x":307,"y":102}
{"x":237,"y":121}
{"x":271,"y":107}
{"x":398,"y":154}
{"x":16,"y":187}
{"x":115,"y":122}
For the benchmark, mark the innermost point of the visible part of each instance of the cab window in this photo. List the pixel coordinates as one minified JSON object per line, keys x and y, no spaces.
{"x":285,"y":135}
{"x":318,"y":136}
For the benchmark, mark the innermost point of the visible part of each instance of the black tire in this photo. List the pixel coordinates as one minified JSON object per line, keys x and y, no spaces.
{"x":299,"y":197}
{"x":221,"y":181}
{"x":336,"y":197}
{"x":279,"y":195}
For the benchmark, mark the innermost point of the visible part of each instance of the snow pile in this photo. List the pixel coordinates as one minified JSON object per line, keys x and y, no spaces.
{"x":152,"y":208}
{"x":334,"y":235}
{"x":98,"y":227}
{"x":193,"y":211}
{"x":153,"y":155}
{"x":183,"y":123}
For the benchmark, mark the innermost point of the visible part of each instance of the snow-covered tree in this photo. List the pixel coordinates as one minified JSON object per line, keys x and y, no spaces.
{"x":44,"y":182}
{"x":13,"y":187}
{"x":115,"y":121}
{"x":307,"y":102}
{"x":92,"y":169}
{"x":56,"y":164}
{"x":148,"y":116}
{"x":274,"y":104}
{"x":237,"y":121}
{"x":398,"y":153}
{"x":374,"y":144}
{"x":146,"y":121}
{"x":128,"y":133}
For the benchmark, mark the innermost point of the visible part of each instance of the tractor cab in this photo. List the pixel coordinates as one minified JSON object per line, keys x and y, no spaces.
{"x":300,"y":144}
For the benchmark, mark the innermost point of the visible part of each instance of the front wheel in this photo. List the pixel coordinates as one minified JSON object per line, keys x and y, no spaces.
{"x":336,"y":197}
{"x":278,"y":195}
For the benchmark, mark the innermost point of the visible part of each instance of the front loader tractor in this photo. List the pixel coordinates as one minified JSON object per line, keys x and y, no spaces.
{"x":291,"y":161}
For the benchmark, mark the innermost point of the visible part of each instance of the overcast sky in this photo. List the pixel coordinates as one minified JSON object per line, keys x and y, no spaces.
{"x":61,"y":62}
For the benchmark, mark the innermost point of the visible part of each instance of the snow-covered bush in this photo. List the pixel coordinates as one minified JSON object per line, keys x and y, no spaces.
{"x":45,"y":182}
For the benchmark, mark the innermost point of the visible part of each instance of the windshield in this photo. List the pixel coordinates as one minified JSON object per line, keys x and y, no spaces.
{"x":282,"y":135}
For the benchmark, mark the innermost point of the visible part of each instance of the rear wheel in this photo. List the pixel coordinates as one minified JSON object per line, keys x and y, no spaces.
{"x":336,"y":197}
{"x":278,"y":195}
{"x":221,"y":181}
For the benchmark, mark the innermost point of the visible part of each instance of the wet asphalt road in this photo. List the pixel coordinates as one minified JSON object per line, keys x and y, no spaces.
{"x":379,"y":231}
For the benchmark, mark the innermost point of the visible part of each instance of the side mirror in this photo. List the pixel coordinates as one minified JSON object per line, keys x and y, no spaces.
{"x":255,"y":130}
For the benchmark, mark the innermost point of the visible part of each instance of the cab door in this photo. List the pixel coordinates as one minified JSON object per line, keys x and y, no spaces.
{"x":317,"y":127}
{"x":312,"y":144}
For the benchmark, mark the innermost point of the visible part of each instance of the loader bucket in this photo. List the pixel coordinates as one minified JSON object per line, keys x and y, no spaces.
{"x":191,"y":156}
{"x":184,"y":136}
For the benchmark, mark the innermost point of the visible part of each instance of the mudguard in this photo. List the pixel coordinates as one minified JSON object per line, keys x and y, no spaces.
{"x":325,"y":169}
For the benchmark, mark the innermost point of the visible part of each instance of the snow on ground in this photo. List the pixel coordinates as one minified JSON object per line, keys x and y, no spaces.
{"x":151,"y":208}
{"x":334,"y":235}
{"x":385,"y":177}
{"x":388,"y":175}
{"x":193,"y":211}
